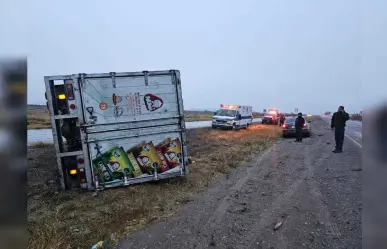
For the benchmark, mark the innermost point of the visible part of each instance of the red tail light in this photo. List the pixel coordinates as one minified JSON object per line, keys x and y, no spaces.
{"x":70,"y":92}
{"x":285,"y":126}
{"x":82,"y":175}
{"x":304,"y":125}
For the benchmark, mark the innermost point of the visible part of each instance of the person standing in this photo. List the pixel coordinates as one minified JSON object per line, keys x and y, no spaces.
{"x":282,"y":119}
{"x":299,"y":124}
{"x":338,"y":121}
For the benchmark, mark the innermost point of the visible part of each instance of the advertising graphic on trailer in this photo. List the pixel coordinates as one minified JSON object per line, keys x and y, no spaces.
{"x":152,"y":102}
{"x":144,"y":159}
{"x":130,"y":99}
{"x":132,"y":104}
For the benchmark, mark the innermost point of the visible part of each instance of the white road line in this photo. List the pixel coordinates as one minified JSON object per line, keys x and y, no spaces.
{"x":354,"y":141}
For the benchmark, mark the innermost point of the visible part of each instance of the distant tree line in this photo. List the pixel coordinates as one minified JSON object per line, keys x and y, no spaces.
{"x":357,"y":117}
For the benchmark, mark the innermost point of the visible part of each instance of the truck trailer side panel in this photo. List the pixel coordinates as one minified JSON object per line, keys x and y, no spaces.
{"x":134,"y":126}
{"x":112,"y":99}
{"x":131,"y":127}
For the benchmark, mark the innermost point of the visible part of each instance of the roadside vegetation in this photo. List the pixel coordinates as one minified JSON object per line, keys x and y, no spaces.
{"x":79,"y":219}
{"x":41,"y":145}
{"x":190,"y":116}
{"x":38,"y":117}
{"x":356,"y":117}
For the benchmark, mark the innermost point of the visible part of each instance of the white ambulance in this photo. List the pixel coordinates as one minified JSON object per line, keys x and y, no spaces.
{"x":233,"y":117}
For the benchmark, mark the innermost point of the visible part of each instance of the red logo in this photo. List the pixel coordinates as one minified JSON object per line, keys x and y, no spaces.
{"x":103,"y":106}
{"x":152,"y":102}
{"x":116,"y":99}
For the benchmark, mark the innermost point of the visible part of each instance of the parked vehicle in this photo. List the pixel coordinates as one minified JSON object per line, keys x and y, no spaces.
{"x":271,"y":116}
{"x":118,"y":128}
{"x":288,"y":128}
{"x":233,"y":117}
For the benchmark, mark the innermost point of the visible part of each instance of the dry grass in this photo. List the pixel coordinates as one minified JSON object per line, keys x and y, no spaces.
{"x":78,"y":219}
{"x":41,"y":145}
{"x":38,"y":117}
{"x":190,"y":116}
{"x":197,"y":117}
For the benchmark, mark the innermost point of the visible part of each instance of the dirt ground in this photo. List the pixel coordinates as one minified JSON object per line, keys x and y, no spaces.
{"x":74,"y":219}
{"x":294,"y":195}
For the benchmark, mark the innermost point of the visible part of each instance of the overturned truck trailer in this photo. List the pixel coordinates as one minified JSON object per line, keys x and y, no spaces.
{"x":117,"y":129}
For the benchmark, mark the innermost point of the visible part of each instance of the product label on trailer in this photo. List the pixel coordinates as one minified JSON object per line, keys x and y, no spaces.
{"x":133,"y":104}
{"x":153,"y":102}
{"x":103,"y":106}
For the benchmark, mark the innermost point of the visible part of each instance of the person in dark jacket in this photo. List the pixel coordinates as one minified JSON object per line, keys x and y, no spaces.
{"x":282,"y":119}
{"x":338,"y":121}
{"x":299,"y":124}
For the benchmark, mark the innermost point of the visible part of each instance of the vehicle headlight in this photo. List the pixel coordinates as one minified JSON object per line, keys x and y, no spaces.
{"x":230,"y":122}
{"x":213,"y":121}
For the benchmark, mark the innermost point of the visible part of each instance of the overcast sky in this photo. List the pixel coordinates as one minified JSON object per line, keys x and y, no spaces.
{"x":314,"y":55}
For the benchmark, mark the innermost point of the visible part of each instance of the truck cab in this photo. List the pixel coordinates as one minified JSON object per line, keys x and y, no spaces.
{"x":232,"y":117}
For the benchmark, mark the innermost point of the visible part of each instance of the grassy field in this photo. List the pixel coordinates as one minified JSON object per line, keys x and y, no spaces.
{"x":190,"y":116}
{"x":38,"y":117}
{"x":71,"y":219}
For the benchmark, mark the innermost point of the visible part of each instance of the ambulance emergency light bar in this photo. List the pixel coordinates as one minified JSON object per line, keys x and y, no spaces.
{"x":229,"y":107}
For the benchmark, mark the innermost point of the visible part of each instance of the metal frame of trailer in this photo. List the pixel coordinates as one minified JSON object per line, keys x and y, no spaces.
{"x":126,"y":129}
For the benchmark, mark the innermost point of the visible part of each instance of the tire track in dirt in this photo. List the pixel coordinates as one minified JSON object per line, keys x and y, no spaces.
{"x":258,"y":172}
{"x":283,"y":200}
{"x":218,"y":223}
{"x":216,"y":218}
{"x":324,"y":213}
{"x":320,"y":209}
{"x":269,"y":168}
{"x":277,"y":205}
{"x":338,"y":190}
{"x":281,"y":172}
{"x":200,"y":219}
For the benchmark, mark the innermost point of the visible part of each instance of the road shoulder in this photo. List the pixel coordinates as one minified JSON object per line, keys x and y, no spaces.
{"x":313,"y":193}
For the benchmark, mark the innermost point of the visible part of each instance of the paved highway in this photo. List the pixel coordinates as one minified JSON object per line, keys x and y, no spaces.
{"x":353,"y":130}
